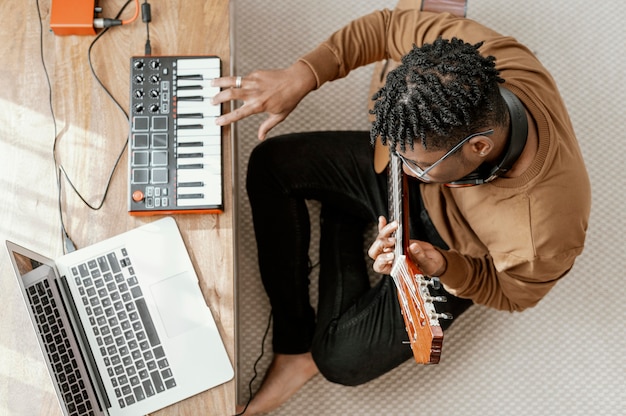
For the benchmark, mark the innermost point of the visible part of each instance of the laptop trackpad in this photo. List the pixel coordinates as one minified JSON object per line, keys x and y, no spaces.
{"x":180,"y":304}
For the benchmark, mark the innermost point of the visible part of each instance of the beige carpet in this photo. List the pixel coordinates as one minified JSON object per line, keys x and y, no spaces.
{"x":567,"y":356}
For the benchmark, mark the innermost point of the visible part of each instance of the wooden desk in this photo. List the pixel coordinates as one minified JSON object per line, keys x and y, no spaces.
{"x":91,"y":133}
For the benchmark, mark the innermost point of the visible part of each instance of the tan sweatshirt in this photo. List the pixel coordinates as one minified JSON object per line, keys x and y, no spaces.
{"x":512,"y":239}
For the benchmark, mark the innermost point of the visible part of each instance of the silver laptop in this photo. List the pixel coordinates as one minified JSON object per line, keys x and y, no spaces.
{"x":122,"y":324}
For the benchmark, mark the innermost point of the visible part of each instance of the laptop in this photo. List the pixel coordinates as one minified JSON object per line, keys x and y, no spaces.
{"x":122,"y":324}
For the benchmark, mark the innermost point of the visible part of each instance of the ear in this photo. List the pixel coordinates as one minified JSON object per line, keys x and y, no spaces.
{"x":481,"y":146}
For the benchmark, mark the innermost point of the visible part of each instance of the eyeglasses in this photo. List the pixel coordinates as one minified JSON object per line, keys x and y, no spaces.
{"x":422,"y":174}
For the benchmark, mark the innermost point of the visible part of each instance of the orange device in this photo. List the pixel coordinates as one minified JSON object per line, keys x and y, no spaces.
{"x":72,"y":17}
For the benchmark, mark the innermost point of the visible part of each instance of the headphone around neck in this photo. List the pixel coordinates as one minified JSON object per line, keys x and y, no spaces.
{"x":516,"y":142}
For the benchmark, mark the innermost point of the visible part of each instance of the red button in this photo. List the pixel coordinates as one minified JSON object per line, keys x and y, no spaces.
{"x":138,"y":196}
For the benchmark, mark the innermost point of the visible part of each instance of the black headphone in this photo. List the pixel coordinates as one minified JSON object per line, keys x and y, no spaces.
{"x":516,"y":143}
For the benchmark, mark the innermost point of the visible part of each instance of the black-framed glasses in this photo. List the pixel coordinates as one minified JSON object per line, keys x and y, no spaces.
{"x":422,"y":174}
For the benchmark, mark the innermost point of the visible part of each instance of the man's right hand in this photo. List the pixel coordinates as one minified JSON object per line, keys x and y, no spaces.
{"x":276,"y":92}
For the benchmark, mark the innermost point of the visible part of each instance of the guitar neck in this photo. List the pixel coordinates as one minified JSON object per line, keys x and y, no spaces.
{"x":416,"y":303}
{"x":398,"y":206}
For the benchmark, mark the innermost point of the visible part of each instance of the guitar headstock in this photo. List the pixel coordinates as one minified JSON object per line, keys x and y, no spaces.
{"x":418,"y":310}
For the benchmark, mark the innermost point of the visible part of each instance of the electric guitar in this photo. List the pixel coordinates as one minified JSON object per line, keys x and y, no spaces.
{"x":420,"y":317}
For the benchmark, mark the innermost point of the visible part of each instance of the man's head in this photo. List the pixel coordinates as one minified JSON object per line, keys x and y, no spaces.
{"x":441,"y":93}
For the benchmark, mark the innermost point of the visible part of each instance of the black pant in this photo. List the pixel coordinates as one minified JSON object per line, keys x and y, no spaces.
{"x":359,"y":333}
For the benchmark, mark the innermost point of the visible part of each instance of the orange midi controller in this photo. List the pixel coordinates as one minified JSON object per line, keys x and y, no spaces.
{"x":175,"y":147}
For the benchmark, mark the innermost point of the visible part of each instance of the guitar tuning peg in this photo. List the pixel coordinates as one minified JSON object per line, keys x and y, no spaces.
{"x":444,"y":315}
{"x":435,"y":283}
{"x":438,"y":299}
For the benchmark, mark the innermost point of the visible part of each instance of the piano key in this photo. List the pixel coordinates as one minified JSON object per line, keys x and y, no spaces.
{"x":202,"y":150}
{"x":208,"y":62}
{"x":194,"y":166}
{"x":210,"y":199}
{"x":191,"y":86}
{"x":205,"y":122}
{"x":198,"y":162}
{"x":200,"y":106}
{"x":190,"y":192}
{"x":192,"y":126}
{"x":211,"y":145}
{"x":188,"y":153}
{"x":191,"y":184}
{"x":193,"y":142}
{"x":197,"y":73}
{"x":201,"y":129}
{"x":207,"y":175}
{"x":184,"y":155}
{"x":187,"y":84}
{"x":196,"y":98}
{"x":190,"y":115}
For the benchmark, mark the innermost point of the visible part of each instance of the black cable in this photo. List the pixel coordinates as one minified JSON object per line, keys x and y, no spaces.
{"x":68,"y":244}
{"x":59,"y":170}
{"x":146,"y":17}
{"x":267,"y":330}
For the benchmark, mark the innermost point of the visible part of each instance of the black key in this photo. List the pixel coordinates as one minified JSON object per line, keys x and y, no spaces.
{"x":191,"y":144}
{"x":84,"y":272}
{"x":190,"y":184}
{"x":159,"y":353}
{"x":190,"y":155}
{"x":191,"y":196}
{"x":190,"y":127}
{"x":191,"y":166}
{"x":188,"y":88}
{"x":136,"y":291}
{"x":197,"y":77}
{"x":115,"y":266}
{"x":158,"y":383}
{"x":190,"y":115}
{"x":40,"y":289}
{"x":147,"y":386}
{"x":138,"y":393}
{"x":191,"y":98}
{"x":148,"y":324}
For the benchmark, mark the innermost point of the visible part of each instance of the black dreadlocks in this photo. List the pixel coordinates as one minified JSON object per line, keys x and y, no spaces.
{"x":440,"y":93}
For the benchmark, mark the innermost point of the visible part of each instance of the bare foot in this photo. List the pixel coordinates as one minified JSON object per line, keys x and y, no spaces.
{"x":285,"y":376}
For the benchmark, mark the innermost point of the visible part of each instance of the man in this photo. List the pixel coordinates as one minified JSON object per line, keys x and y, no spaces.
{"x":467,"y":106}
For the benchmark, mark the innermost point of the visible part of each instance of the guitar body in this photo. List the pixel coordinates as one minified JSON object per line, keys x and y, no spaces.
{"x":416,"y":303}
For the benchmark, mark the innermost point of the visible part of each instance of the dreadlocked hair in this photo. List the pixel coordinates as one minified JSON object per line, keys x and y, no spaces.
{"x":440,"y":93}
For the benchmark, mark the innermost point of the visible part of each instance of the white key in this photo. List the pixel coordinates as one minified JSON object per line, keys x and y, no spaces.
{"x":210,"y":62}
{"x":204,"y":107}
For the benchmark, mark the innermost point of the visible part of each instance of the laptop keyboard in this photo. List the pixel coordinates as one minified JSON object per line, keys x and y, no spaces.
{"x":58,"y":348}
{"x":119,"y":317}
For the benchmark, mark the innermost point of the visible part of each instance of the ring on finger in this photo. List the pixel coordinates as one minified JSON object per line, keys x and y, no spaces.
{"x":238,"y":82}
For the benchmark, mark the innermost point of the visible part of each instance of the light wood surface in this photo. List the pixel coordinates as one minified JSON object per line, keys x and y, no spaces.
{"x":91,"y":133}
